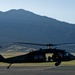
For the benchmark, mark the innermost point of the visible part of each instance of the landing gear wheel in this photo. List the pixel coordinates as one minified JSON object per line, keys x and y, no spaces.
{"x":8,"y":67}
{"x":57,"y":63}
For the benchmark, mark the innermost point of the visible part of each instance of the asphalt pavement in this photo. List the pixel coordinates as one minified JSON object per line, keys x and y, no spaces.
{"x":37,"y":70}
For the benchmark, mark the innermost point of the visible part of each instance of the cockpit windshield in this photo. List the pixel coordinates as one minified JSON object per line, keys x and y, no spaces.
{"x":67,"y":54}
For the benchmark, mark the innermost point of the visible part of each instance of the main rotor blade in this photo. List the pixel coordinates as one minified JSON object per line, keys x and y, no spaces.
{"x":64,"y":44}
{"x":45,"y":44}
{"x":34,"y":44}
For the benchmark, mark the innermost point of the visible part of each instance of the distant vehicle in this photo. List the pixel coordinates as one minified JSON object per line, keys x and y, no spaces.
{"x":54,"y":55}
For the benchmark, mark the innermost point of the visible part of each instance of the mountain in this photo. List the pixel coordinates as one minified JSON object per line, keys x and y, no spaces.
{"x":22,"y":25}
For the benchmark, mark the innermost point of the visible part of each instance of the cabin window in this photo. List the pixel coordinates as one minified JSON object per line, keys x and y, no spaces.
{"x":41,"y":57}
{"x":36,"y":57}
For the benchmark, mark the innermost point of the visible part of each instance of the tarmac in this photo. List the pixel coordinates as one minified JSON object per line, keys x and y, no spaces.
{"x":37,"y":70}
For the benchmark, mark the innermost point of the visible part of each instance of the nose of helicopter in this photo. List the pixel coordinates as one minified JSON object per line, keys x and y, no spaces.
{"x":72,"y":57}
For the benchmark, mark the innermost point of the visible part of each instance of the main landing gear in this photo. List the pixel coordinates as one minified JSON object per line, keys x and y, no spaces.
{"x":57,"y":63}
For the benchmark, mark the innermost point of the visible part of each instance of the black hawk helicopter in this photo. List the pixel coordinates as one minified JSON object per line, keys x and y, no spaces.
{"x":57,"y":55}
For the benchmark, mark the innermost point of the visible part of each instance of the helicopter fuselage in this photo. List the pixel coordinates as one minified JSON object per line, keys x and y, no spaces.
{"x":40,"y":56}
{"x":54,"y":55}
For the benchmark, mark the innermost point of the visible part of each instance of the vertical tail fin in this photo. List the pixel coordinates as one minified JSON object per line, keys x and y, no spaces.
{"x":1,"y":58}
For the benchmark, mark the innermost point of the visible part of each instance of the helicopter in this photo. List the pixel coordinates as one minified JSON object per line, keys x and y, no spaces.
{"x":38,"y":56}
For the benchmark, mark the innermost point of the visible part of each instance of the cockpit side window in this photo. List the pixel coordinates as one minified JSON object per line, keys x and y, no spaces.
{"x":66,"y":54}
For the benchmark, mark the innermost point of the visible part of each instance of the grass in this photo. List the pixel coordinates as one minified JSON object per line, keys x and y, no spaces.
{"x":6,"y":55}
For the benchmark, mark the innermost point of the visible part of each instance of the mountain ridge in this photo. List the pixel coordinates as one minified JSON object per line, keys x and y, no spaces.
{"x":26,"y":11}
{"x":22,"y":25}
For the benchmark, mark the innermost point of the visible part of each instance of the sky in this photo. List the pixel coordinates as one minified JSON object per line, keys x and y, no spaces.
{"x":63,"y":10}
